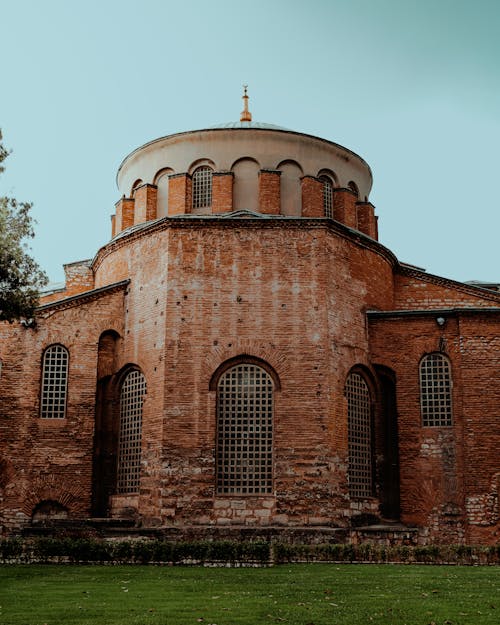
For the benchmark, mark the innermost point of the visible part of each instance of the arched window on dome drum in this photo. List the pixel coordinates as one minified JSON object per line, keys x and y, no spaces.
{"x":327,"y":196}
{"x":359,"y":436}
{"x":435,"y":391}
{"x":245,"y":431}
{"x":130,"y":434}
{"x":202,"y":187}
{"x":54,"y":382}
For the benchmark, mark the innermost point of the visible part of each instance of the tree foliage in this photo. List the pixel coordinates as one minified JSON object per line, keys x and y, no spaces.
{"x":20,"y":276}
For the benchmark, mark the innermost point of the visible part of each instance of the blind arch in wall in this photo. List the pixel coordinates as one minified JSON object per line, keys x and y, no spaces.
{"x":132,"y":394}
{"x":359,"y":436}
{"x":435,"y":391}
{"x":245,"y":431}
{"x":54,"y":389}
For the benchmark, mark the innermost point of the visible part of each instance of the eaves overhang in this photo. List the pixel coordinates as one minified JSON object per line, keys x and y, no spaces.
{"x":242,"y":128}
{"x":228,"y":221}
{"x":435,"y":312}
{"x":82,"y":298}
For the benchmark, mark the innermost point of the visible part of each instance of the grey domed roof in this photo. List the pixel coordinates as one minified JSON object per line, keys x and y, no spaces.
{"x":248,"y":125}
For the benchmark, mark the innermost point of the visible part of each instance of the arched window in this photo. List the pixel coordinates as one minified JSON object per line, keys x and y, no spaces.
{"x":359,"y":436}
{"x":130,"y":435}
{"x":327,"y":196}
{"x":435,"y":390}
{"x":54,"y":382}
{"x":245,"y":431}
{"x":202,"y":187}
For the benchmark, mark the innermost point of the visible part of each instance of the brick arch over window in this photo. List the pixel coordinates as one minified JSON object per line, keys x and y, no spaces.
{"x":54,"y":387}
{"x":435,"y":390}
{"x":132,"y":392}
{"x":359,"y":434}
{"x":245,"y":404}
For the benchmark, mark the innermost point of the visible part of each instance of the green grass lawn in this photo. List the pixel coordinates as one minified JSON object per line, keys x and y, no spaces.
{"x":298,"y":594}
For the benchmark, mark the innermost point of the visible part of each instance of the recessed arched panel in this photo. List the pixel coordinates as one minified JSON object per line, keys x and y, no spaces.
{"x":201,"y":162}
{"x":49,"y":510}
{"x":246,"y":184}
{"x":161,"y":181}
{"x":354,"y":187}
{"x":136,"y":184}
{"x":290,"y":190}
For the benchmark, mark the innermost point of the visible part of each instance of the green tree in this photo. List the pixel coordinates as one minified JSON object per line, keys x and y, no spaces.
{"x":20,"y":276}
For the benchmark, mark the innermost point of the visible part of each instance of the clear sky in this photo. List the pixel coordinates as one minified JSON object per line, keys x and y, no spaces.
{"x":413,"y":86}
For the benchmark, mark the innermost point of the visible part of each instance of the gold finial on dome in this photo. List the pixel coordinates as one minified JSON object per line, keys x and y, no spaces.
{"x":246,"y":116}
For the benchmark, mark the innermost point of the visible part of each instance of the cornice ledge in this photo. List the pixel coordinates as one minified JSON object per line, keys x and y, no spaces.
{"x":420,"y":312}
{"x":82,"y":298}
{"x":448,"y":282}
{"x":247,"y":220}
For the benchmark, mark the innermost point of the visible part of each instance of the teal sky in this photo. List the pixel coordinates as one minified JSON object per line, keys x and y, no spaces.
{"x":411,"y":86}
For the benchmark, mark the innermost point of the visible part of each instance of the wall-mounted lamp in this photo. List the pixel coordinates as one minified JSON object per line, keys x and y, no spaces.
{"x":28,"y":323}
{"x":440,"y":321}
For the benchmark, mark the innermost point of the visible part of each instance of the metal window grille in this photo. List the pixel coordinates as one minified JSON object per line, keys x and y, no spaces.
{"x":245,"y":431}
{"x":54,"y":382}
{"x":327,"y":196}
{"x":359,"y":436}
{"x":130,"y":435}
{"x":435,"y":391}
{"x":202,"y":187}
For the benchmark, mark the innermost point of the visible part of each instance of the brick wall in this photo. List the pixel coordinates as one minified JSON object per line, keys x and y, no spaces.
{"x":146,"y":197}
{"x":269,"y":191}
{"x":50,"y":459}
{"x":312,"y":197}
{"x":442,"y":468}
{"x":222,"y":192}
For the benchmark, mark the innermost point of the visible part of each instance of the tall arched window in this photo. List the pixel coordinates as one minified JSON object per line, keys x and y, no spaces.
{"x":202,"y":187}
{"x":245,"y":431}
{"x":130,"y":435}
{"x":327,"y":196}
{"x":54,"y":382}
{"x":359,"y":436}
{"x":435,"y":390}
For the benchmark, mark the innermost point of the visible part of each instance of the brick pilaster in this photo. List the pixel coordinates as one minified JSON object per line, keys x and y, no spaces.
{"x":367,"y":222}
{"x":179,"y":194}
{"x":222,"y":191}
{"x":312,"y":197}
{"x":269,"y":191}
{"x":125,"y":209}
{"x":344,"y":206}
{"x":146,"y":197}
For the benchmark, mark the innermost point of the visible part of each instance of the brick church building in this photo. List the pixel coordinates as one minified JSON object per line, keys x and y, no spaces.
{"x":244,"y":352}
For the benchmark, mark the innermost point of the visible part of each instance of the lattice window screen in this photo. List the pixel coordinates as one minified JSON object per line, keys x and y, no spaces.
{"x":202,"y":187}
{"x":359,"y":436}
{"x":54,"y":382}
{"x":327,"y":196}
{"x":435,"y":391}
{"x":245,"y":431}
{"x":130,"y":435}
